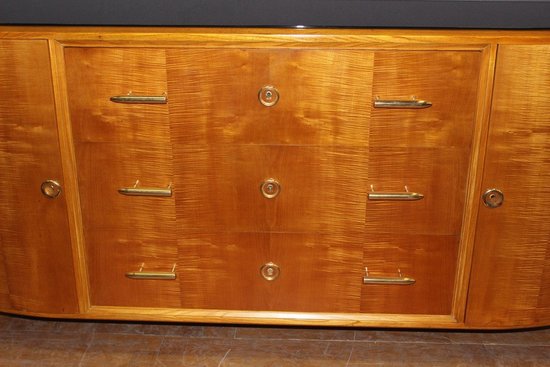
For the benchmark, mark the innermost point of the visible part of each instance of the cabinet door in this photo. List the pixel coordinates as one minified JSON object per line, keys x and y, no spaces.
{"x":510,"y":284}
{"x":36,"y":265}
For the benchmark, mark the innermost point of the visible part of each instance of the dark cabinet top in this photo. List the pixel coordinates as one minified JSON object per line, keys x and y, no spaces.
{"x":486,"y":14}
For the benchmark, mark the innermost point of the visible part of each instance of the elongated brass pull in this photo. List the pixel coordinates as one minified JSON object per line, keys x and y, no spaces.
{"x":130,"y":98}
{"x":394,"y":196}
{"x":414,"y":104}
{"x":146,"y":191}
{"x":399,"y":280}
{"x":155,"y":275}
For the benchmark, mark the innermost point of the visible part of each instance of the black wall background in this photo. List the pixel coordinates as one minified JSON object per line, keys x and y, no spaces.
{"x":282,"y":13}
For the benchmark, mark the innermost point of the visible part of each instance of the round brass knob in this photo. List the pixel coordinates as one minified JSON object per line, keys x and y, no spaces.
{"x":493,"y":198}
{"x":268,"y":96}
{"x":270,"y":188}
{"x":50,"y":189}
{"x":270,"y":271}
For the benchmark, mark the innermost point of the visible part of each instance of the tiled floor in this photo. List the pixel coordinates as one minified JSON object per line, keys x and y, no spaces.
{"x":35,"y":342}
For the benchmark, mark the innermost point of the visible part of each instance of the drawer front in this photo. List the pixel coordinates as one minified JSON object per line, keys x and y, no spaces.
{"x":95,"y":75}
{"x":123,"y":266}
{"x":439,"y":174}
{"x":317,"y":273}
{"x":321,"y":189}
{"x":428,"y":259}
{"x":447,"y":79}
{"x":324,"y":96}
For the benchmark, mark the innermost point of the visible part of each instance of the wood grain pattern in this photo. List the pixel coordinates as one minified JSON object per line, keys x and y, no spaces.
{"x":36,"y":263}
{"x":427,"y":151}
{"x":429,"y":259}
{"x":449,"y":80}
{"x":439,"y":173}
{"x":117,"y":144}
{"x":511,"y":266}
{"x":216,"y":144}
{"x":318,"y":272}
{"x":325,"y":143}
{"x":219,"y":188}
{"x":324,"y":96}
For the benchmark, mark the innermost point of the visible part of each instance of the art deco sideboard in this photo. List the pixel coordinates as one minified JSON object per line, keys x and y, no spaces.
{"x":395,"y":178}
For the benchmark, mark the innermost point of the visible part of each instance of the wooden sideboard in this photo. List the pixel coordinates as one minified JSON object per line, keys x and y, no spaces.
{"x":386,"y":178}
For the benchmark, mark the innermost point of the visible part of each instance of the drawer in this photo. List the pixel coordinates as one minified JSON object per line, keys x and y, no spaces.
{"x":323,"y":96}
{"x":447,"y":79}
{"x":106,"y":168}
{"x":112,"y":253}
{"x":321,"y":189}
{"x":439,"y":174}
{"x":317,"y":273}
{"x":428,"y":259}
{"x":94,"y":75}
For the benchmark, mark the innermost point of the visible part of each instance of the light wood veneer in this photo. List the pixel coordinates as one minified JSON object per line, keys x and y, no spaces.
{"x":213,"y":143}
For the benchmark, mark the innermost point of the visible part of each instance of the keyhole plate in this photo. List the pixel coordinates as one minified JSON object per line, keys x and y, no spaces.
{"x":268,"y":96}
{"x":493,"y":198}
{"x":270,"y":188}
{"x":270,"y":271}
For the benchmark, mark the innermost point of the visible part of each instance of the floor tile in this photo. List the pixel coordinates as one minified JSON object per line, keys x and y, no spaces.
{"x":32,"y":325}
{"x":80,"y":327}
{"x":131,"y":328}
{"x":419,"y":354}
{"x":5,"y":322}
{"x":511,"y":356}
{"x":522,"y":337}
{"x":62,"y":351}
{"x":282,"y":353}
{"x":294,"y":333}
{"x":201,"y":331}
{"x":119,"y":350}
{"x":181,"y":351}
{"x":402,"y":336}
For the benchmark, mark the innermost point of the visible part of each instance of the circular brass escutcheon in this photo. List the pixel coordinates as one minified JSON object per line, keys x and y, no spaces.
{"x":270,"y":271}
{"x":268,"y":96}
{"x":270,"y":188}
{"x":50,"y":189}
{"x":493,"y":198}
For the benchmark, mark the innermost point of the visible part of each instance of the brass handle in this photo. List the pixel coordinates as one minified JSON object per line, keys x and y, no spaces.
{"x":414,"y":104}
{"x":399,"y":280}
{"x":146,"y":191}
{"x":130,"y":98}
{"x":394,"y":196}
{"x":153,"y":275}
{"x":50,"y":189}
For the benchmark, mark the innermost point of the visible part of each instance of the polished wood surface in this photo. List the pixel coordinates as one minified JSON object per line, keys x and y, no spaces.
{"x":325,"y":96}
{"x":36,"y":272}
{"x":511,"y":266}
{"x":319,"y":142}
{"x":425,"y":151}
{"x":214,"y":143}
{"x":117,"y":145}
